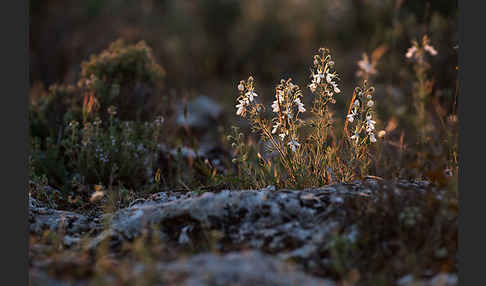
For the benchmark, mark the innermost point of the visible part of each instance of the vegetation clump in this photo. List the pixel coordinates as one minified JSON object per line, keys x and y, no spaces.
{"x":306,"y":156}
{"x":106,"y":131}
{"x":126,"y":76}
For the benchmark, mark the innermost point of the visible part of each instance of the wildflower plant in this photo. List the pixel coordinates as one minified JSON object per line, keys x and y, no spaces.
{"x":367,"y":66}
{"x":359,"y":119}
{"x":417,"y":53}
{"x":318,"y":148}
{"x":359,"y":127}
{"x":323,"y":84}
{"x":281,"y":131}
{"x":306,"y":148}
{"x":304,"y":156}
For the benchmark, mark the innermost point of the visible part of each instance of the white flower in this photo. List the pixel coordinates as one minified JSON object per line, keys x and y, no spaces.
{"x":372,"y":138}
{"x":411,"y":51}
{"x":293,"y":144}
{"x":370,"y":123}
{"x":159,"y":121}
{"x":275,"y":127}
{"x":241,"y":87}
{"x":355,"y":137}
{"x":370,"y":103}
{"x":251,"y":94}
{"x":336,"y":89}
{"x":241,"y":110}
{"x":300,"y":105}
{"x":275,"y":106}
{"x":318,"y":76}
{"x":329,"y":77}
{"x":282,"y":136}
{"x":312,"y":87}
{"x":276,"y":103}
{"x":430,"y":49}
{"x":366,"y":66}
{"x":351,"y":116}
{"x":241,"y":107}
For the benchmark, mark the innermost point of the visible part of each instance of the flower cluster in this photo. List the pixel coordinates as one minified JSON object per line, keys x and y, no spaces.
{"x":417,"y":51}
{"x":287,"y":107}
{"x":359,"y":119}
{"x":303,"y":147}
{"x":367,"y":64}
{"x":323,"y":76}
{"x":246,"y":99}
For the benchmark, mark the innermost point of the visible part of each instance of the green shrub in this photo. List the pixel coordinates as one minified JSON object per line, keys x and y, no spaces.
{"x":50,"y":109}
{"x":126,"y":76}
{"x":110,"y":153}
{"x":80,"y":139}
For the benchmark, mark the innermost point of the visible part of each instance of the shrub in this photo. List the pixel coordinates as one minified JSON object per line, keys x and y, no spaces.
{"x":110,"y":153}
{"x":49,"y":109}
{"x":126,"y":76}
{"x":80,"y":139}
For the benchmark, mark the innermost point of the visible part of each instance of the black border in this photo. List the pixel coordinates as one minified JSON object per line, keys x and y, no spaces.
{"x":472,"y":196}
{"x":14,"y":23}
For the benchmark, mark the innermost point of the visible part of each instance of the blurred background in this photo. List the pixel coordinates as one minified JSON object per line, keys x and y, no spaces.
{"x":207,"y":46}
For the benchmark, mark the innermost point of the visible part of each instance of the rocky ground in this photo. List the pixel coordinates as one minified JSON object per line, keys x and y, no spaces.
{"x":257,"y":237}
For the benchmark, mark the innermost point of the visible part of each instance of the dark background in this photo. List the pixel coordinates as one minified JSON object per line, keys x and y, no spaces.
{"x":208,"y":46}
